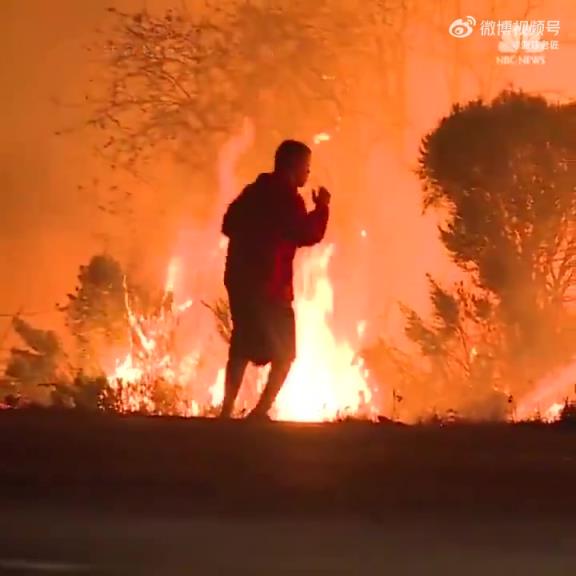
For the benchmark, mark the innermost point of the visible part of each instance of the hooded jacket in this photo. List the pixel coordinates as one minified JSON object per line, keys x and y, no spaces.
{"x":266,"y":223}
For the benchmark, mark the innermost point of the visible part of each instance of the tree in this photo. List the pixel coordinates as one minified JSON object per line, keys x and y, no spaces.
{"x":504,"y":174}
{"x":188,"y":80}
{"x":96,"y":313}
{"x":37,"y":368}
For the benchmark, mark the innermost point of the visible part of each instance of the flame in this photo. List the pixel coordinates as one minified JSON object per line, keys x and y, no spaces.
{"x":326,"y":382}
{"x":152,"y":359}
{"x":217,"y":390}
{"x":553,"y":413}
{"x":171,"y":276}
{"x":548,"y":394}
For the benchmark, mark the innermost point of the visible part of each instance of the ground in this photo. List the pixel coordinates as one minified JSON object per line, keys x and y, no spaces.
{"x":97,"y":494}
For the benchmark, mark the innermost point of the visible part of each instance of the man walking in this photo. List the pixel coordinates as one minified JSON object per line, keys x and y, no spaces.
{"x":266,"y":223}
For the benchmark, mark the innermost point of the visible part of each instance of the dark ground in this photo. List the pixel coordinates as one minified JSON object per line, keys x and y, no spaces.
{"x":96,"y":494}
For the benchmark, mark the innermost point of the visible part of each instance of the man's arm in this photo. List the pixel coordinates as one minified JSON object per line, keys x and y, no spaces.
{"x":308,"y":228}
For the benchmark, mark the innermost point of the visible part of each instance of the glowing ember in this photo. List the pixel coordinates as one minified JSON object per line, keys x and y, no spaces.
{"x":322,"y":137}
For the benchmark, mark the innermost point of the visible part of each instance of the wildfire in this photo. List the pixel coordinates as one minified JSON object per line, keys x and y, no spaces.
{"x":152,"y":359}
{"x":545,"y":400}
{"x":326,"y":382}
{"x":553,"y":413}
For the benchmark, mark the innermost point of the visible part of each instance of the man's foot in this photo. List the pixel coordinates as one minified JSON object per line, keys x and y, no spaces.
{"x":225,"y":413}
{"x":258,"y":417}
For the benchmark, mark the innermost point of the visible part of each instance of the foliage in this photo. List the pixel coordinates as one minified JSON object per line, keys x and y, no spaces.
{"x":221,"y":311}
{"x":399,"y":374}
{"x":568,"y":413}
{"x":503,"y":173}
{"x":96,"y":312}
{"x":190,"y":79}
{"x":183,"y":80}
{"x":83,"y":393}
{"x":39,"y":365}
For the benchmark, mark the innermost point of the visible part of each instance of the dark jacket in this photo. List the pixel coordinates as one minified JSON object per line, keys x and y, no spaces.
{"x":265,"y":225}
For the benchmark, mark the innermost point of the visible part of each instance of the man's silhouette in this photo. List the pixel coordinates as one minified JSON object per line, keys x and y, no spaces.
{"x":266,"y":223}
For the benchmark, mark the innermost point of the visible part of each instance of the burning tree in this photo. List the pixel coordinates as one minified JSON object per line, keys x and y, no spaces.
{"x":503,"y":173}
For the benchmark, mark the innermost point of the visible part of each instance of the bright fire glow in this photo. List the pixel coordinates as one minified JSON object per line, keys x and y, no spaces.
{"x":322,"y":137}
{"x":549,"y":394}
{"x":326,"y":382}
{"x":553,"y":413}
{"x":152,"y":360}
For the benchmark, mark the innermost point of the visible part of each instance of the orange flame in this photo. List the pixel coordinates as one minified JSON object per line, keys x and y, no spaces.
{"x":326,"y":382}
{"x":547,"y":395}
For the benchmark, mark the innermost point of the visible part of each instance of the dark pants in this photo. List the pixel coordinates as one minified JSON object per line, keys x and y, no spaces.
{"x":263,"y":332}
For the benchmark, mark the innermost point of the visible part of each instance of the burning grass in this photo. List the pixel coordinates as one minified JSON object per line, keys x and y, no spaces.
{"x":327,"y":382}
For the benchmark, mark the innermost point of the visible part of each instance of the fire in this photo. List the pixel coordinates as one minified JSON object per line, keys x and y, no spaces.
{"x":326,"y":382}
{"x":151,"y":359}
{"x":553,"y":413}
{"x":548,"y":395}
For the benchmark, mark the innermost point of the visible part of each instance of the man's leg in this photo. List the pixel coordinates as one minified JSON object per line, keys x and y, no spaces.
{"x":276,"y":378}
{"x":237,"y":361}
{"x":281,"y":331}
{"x":235,"y":369}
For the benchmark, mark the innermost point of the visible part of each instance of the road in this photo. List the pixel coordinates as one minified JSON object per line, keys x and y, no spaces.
{"x":93,"y":495}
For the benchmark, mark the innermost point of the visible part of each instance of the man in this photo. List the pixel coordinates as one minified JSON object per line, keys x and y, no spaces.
{"x":266,"y":223}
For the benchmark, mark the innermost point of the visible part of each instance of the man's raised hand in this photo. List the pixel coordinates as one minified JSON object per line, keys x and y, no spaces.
{"x":321,"y":196}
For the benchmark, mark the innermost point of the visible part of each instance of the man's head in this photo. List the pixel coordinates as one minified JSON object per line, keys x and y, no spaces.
{"x":292,"y":161}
